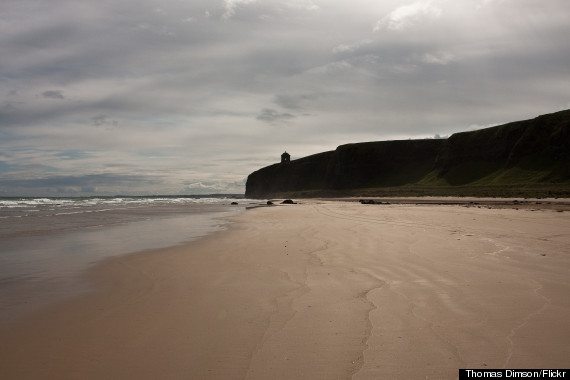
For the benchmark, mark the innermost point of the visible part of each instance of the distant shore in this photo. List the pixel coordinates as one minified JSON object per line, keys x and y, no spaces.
{"x":322,"y":289}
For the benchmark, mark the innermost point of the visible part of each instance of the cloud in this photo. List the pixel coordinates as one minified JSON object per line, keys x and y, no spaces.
{"x":295,"y":101}
{"x":439,"y":58}
{"x":271,"y":116}
{"x":110,"y":184}
{"x":103,"y":120}
{"x":213,"y":187}
{"x":407,"y":16}
{"x":187,"y":93}
{"x":349,"y":48}
{"x":307,"y":5}
{"x":231,"y":5}
{"x":53,"y":94}
{"x":331,"y":67}
{"x":483,"y":3}
{"x":288,"y":101}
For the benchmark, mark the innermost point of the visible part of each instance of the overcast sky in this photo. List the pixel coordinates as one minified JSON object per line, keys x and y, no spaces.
{"x":190,"y":96}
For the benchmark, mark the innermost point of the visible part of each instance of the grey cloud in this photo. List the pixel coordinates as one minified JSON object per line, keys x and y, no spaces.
{"x":295,"y":102}
{"x":86,"y":180}
{"x":103,"y":120}
{"x":231,"y":5}
{"x":288,"y":101}
{"x":272,"y":116}
{"x":177,"y":79}
{"x":406,"y":16}
{"x":53,"y":94}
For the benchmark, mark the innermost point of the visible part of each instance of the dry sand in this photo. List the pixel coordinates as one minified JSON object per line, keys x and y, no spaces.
{"x":319,"y":290}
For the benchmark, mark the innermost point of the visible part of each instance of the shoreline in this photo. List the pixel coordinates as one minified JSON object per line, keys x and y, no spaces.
{"x":44,"y":257}
{"x":557,"y":204}
{"x":322,"y":289}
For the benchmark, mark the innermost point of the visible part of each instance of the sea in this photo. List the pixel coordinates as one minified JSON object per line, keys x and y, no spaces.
{"x":46,"y":244}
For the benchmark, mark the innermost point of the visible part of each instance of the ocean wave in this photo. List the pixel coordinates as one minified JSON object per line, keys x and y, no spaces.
{"x":22,"y":207}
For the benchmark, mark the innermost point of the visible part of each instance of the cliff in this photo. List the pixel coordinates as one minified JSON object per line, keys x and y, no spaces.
{"x":521,"y":157}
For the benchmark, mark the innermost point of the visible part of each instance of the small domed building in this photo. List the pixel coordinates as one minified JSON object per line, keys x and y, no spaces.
{"x":285,"y":157}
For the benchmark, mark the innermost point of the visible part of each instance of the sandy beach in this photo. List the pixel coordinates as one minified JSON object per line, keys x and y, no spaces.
{"x":318,"y":290}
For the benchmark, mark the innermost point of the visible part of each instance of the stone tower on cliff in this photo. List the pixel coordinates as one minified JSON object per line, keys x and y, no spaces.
{"x":285,"y":157}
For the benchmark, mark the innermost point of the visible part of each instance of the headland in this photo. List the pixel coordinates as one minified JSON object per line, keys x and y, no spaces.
{"x":529,"y":158}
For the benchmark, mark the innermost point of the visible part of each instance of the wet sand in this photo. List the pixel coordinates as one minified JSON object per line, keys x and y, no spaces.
{"x":318,"y":290}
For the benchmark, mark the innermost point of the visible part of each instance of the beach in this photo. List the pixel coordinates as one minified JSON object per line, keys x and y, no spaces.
{"x":317,"y":290}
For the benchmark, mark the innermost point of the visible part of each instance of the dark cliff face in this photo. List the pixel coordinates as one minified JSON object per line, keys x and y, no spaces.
{"x":542,"y":144}
{"x":372,"y":164}
{"x":381,"y":163}
{"x":537,"y":148}
{"x":306,"y":173}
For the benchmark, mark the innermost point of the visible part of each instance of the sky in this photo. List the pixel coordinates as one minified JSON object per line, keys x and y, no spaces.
{"x":191,"y":96}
